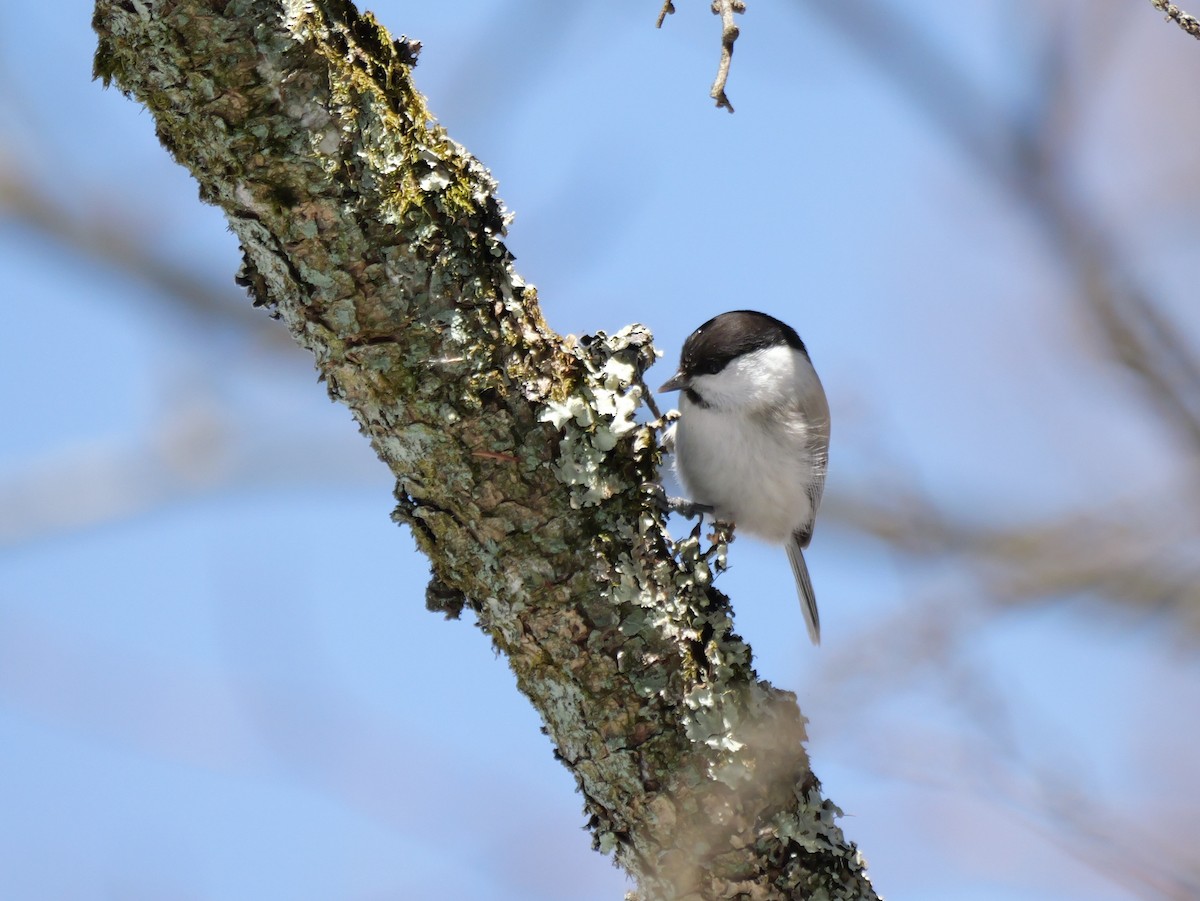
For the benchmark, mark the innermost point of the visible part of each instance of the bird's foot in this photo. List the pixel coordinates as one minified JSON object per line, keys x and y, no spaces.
{"x":688,"y":509}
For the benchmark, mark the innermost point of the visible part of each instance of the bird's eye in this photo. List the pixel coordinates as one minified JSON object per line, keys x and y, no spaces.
{"x":712,"y":367}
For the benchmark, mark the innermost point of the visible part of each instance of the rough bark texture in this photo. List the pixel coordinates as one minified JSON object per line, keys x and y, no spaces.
{"x":520,"y":467}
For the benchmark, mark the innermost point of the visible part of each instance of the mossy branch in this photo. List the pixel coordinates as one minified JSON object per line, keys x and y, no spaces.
{"x":519,"y":465}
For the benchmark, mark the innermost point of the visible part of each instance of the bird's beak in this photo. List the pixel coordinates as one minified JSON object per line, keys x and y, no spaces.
{"x":677,"y":382}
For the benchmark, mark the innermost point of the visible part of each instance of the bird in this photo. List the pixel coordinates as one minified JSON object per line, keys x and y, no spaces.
{"x":751,"y":442}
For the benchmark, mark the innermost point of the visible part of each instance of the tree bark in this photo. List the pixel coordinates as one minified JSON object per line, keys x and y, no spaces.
{"x":519,"y":464}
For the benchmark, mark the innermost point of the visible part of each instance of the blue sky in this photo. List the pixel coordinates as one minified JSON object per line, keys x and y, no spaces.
{"x":217,"y":677}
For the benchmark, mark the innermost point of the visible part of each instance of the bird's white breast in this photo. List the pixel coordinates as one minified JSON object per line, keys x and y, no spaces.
{"x":751,"y":475}
{"x":754,"y":452}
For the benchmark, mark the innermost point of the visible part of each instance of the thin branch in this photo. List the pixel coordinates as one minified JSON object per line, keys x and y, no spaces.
{"x":1190,"y":24}
{"x":726,"y":9}
{"x":729,"y":35}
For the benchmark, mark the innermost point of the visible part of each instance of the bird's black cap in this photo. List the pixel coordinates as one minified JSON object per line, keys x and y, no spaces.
{"x":723,"y":338}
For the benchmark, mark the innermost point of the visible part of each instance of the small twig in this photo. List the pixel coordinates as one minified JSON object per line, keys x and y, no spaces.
{"x":654,"y":411}
{"x":1190,"y":24}
{"x":729,"y":34}
{"x":688,"y":509}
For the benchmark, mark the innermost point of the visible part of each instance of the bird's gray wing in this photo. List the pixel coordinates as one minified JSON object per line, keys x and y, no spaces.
{"x":815,"y":410}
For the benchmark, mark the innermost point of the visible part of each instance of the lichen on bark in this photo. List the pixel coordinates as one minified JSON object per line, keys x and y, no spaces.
{"x":521,"y":465}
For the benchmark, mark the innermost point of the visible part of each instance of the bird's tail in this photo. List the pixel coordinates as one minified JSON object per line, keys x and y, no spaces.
{"x":808,"y":601}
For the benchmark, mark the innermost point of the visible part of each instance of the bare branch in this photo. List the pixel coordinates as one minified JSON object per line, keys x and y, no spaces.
{"x":1190,"y":24}
{"x":726,"y":9}
{"x":729,"y":35}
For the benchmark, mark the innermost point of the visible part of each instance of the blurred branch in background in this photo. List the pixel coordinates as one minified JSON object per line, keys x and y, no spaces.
{"x":987,"y":756}
{"x":1182,"y":19}
{"x":198,"y":447}
{"x":1113,"y":553}
{"x":199,"y":444}
{"x":931,"y":648}
{"x":1133,"y":548}
{"x":1025,"y":156}
{"x":107,"y":237}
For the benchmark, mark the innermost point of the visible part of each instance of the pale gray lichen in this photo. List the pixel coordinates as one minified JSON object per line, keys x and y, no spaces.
{"x":599,"y":413}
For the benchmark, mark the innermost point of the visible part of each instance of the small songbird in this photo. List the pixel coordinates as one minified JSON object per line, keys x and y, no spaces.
{"x":752,"y":440}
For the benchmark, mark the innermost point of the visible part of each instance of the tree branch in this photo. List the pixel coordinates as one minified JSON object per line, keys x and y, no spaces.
{"x":668,"y":9}
{"x":729,"y":35}
{"x":519,"y":464}
{"x":1188,"y":23}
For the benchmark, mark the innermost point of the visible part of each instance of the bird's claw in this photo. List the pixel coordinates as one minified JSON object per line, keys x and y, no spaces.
{"x":688,"y":509}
